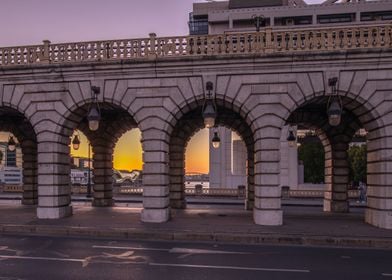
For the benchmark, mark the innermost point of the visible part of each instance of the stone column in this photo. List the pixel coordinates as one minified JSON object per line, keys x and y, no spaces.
{"x":267,"y":208}
{"x":30,"y":190}
{"x":177,"y":166}
{"x":336,"y":176}
{"x":102,"y":172}
{"x":155,"y":180}
{"x":53,"y":177}
{"x":379,"y":190}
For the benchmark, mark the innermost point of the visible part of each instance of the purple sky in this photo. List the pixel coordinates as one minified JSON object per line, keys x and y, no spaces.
{"x":25,"y":22}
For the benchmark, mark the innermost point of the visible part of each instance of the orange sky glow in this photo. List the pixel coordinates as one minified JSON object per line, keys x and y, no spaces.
{"x":128,"y":152}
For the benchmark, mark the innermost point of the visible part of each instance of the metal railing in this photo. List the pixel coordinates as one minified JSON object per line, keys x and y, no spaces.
{"x":267,"y":41}
{"x":199,"y":192}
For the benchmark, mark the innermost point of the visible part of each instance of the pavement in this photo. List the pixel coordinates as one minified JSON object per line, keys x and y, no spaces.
{"x":304,"y":224}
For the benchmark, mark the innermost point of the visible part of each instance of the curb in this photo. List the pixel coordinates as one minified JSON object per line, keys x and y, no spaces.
{"x":272,"y":239}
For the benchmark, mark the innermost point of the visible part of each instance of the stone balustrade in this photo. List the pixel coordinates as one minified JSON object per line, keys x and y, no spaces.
{"x":267,"y":41}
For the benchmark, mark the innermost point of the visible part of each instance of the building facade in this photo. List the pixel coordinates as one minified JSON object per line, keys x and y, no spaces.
{"x":238,"y":15}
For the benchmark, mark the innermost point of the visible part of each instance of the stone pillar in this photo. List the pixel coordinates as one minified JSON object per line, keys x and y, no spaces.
{"x":155,"y":181}
{"x":30,"y":190}
{"x":102,"y":173}
{"x":53,"y":178}
{"x":336,"y":177}
{"x":177,"y":166}
{"x":379,"y":190}
{"x":267,"y":208}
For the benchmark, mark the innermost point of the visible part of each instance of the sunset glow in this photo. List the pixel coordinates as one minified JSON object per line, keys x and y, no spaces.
{"x":128,"y":152}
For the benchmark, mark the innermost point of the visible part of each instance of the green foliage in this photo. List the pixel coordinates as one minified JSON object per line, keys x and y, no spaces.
{"x":357,"y":163}
{"x":312,"y":156}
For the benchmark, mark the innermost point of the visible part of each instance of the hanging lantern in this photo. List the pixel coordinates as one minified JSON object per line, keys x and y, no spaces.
{"x":335,"y":107}
{"x":215,"y":140}
{"x":209,"y":115}
{"x":209,"y":109}
{"x":93,"y":118}
{"x":76,"y":142}
{"x":94,"y":114}
{"x":291,"y":139}
{"x":11,"y":144}
{"x":334,"y":113}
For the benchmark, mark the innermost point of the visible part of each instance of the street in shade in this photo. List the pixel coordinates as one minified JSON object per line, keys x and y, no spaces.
{"x":76,"y":258}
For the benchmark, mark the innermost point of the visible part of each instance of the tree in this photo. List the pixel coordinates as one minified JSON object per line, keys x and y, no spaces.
{"x":312,"y":156}
{"x":357,"y":163}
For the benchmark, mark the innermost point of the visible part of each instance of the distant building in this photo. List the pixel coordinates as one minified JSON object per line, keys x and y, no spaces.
{"x":237,"y":15}
{"x":80,"y":176}
{"x":11,"y":176}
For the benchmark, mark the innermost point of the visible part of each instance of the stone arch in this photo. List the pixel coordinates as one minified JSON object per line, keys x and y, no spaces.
{"x":358,"y":113}
{"x":12,"y":120}
{"x":115,"y":121}
{"x":185,"y":127}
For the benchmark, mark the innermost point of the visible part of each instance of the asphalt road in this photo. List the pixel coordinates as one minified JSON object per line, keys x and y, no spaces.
{"x":71,"y":258}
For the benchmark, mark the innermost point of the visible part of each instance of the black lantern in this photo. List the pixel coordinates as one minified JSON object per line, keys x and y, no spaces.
{"x":94,"y":114}
{"x":76,"y":142}
{"x":291,"y":139}
{"x":215,"y":140}
{"x":335,"y":107}
{"x":11,"y":144}
{"x":209,"y":109}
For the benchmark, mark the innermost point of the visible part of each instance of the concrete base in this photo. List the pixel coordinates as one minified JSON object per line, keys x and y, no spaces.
{"x":54,"y":213}
{"x":381,"y":219}
{"x":249,"y":204}
{"x":103,"y":202}
{"x":29,"y":201}
{"x":336,"y":206}
{"x":268,"y":217}
{"x":178,"y":204}
{"x":155,"y":215}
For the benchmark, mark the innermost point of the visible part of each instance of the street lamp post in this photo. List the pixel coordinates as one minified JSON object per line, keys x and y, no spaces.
{"x":76,"y":146}
{"x":258,"y":21}
{"x":89,"y":173}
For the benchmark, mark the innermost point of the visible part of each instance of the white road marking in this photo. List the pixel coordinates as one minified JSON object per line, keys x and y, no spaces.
{"x":40,"y":258}
{"x":201,"y":251}
{"x":231,"y":267}
{"x":130,"y":248}
{"x":386,"y":274}
{"x":5,"y":257}
{"x":172,"y":250}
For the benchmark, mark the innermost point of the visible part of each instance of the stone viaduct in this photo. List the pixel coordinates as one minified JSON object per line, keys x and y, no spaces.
{"x":262,"y":82}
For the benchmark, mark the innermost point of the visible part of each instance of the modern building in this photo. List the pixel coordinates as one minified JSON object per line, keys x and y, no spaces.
{"x":239,"y":15}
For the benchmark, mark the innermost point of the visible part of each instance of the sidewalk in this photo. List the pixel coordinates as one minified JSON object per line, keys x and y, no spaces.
{"x":302,"y":225}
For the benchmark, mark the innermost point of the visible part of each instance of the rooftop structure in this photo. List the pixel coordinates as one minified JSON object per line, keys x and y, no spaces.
{"x":238,"y":15}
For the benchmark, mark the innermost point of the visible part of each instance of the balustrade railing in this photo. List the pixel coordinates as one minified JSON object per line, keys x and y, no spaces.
{"x":267,"y":41}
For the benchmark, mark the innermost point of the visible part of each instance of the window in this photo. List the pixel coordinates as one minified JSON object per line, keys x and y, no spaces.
{"x":198,"y":25}
{"x":339,"y":18}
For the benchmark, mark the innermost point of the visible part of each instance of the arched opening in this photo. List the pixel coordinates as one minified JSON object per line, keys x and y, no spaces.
{"x":191,"y":122}
{"x":337,"y":141}
{"x":114,"y":122}
{"x":19,"y":159}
